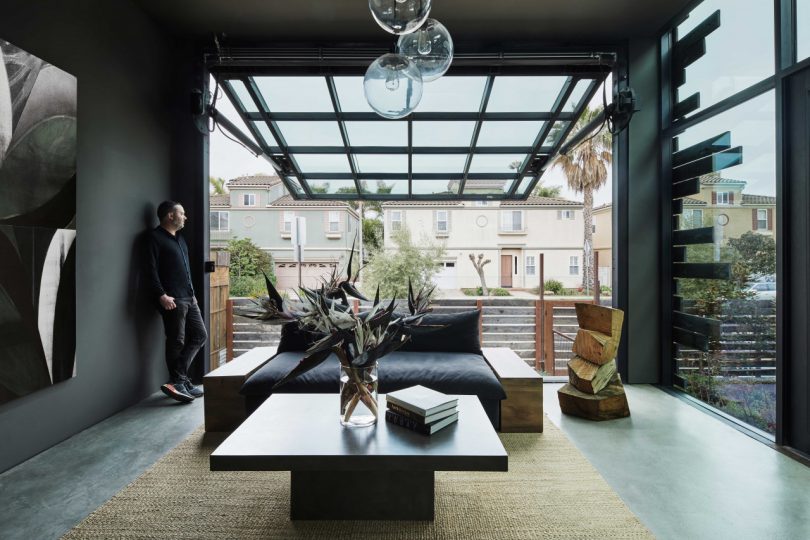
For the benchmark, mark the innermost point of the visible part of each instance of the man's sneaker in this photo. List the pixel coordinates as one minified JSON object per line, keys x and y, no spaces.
{"x":177,"y":391}
{"x":192,"y":390}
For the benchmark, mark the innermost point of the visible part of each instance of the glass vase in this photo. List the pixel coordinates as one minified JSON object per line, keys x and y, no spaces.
{"x":358,"y":396}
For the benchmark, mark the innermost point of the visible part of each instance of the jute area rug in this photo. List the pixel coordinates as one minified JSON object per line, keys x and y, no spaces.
{"x":550,"y":491}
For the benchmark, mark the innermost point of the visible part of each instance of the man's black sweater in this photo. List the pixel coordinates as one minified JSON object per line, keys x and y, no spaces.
{"x":167,"y":265}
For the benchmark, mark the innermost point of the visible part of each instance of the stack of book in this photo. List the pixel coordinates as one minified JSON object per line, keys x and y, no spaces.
{"x":421,"y":409}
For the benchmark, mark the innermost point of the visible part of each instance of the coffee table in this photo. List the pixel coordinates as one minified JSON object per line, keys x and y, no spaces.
{"x":382,"y":472}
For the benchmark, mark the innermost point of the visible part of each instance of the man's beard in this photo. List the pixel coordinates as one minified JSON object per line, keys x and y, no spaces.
{"x":179,"y":224}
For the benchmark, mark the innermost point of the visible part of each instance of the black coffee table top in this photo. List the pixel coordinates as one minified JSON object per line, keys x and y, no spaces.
{"x":302,"y":432}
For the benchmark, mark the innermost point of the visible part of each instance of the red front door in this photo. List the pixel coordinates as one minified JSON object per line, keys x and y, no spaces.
{"x":506,"y":270}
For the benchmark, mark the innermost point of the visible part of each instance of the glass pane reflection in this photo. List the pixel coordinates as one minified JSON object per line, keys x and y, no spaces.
{"x":381,"y":163}
{"x":497,"y":163}
{"x":322,"y":163}
{"x":377,"y":133}
{"x":487,"y":187}
{"x":310,"y":133}
{"x":737,"y":372}
{"x":442,"y":133}
{"x":439,"y":163}
{"x":730,"y":64}
{"x":497,"y":133}
{"x":332,"y":187}
{"x":524,"y":94}
{"x":243,"y":95}
{"x":435,"y":187}
{"x":295,"y":94}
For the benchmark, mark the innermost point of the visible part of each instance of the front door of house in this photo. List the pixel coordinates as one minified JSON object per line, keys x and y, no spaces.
{"x":506,"y":270}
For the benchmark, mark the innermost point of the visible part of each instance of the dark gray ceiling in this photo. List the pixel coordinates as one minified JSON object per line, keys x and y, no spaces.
{"x":468,"y":20}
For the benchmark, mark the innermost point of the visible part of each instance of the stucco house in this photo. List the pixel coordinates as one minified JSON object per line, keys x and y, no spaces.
{"x":512,"y":234}
{"x":258,"y":207}
{"x":722,"y":203}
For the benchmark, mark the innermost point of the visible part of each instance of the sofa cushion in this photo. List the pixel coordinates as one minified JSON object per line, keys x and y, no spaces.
{"x":460,"y":334}
{"x":293,"y":338}
{"x":451,"y":373}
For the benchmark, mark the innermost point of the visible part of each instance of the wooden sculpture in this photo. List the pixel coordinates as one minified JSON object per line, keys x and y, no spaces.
{"x":595,"y":389}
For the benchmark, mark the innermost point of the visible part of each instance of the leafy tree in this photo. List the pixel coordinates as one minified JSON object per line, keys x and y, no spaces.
{"x":586,"y":169}
{"x":217,"y":186}
{"x":757,"y":253}
{"x":248,"y":260}
{"x":372,"y":234}
{"x":391,"y":270}
{"x":546,"y":191}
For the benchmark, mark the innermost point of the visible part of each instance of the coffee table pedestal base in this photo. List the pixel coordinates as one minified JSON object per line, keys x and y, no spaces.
{"x":362,"y":495}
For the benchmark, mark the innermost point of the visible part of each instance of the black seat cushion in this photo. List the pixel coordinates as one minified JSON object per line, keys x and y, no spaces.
{"x":460,"y":334}
{"x":451,"y":373}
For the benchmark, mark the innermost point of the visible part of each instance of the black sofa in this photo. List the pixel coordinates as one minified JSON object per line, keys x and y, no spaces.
{"x":448,"y":360}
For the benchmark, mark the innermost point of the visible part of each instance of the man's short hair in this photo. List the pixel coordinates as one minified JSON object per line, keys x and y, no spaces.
{"x":165,"y":208}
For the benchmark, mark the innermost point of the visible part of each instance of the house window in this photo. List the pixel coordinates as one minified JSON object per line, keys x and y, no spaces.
{"x":248,"y":199}
{"x":481,"y":203}
{"x":220,"y":221}
{"x":442,"y":221}
{"x":288,"y":221}
{"x":694,"y":218}
{"x":573,"y":265}
{"x":512,"y":221}
{"x":531,"y":265}
{"x":565,"y":214}
{"x":334,"y":222}
{"x":396,"y":220}
{"x":762,"y":219}
{"x":723,"y":197}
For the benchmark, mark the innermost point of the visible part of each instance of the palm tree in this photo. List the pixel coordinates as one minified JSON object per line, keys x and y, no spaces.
{"x":586,"y":170}
{"x":217,"y":186}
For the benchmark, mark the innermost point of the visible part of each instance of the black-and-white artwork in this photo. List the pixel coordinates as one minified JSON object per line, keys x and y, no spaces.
{"x":37,"y":223}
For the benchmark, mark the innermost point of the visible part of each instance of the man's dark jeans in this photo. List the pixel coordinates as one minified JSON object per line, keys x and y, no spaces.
{"x":185,"y":335}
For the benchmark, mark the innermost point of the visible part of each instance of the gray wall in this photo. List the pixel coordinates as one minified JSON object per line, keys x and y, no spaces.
{"x":124,"y":168}
{"x":643,"y":332}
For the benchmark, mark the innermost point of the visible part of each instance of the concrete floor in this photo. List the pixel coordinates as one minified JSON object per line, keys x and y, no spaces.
{"x":683,"y":472}
{"x":50,"y":493}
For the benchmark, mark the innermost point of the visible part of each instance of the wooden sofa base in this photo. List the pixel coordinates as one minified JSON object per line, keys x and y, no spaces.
{"x":225,"y":408}
{"x":521,"y":412}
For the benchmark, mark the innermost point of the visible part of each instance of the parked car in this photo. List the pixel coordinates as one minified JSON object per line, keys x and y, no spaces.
{"x":765,"y":290}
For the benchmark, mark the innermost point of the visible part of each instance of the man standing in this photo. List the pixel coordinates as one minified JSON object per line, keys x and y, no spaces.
{"x":169,"y":281}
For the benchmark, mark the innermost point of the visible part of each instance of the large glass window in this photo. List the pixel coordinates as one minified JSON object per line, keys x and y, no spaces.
{"x":724,"y":319}
{"x":803,"y":28}
{"x":739,"y":53}
{"x":512,"y":220}
{"x":220,"y":221}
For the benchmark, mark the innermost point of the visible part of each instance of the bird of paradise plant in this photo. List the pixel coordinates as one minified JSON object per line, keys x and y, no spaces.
{"x":358,"y":340}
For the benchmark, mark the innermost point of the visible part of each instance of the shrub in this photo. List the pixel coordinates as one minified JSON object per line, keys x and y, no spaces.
{"x":604,"y":289}
{"x":248,"y":286}
{"x":248,"y":260}
{"x":392,"y":269}
{"x":480,"y":292}
{"x":554,"y":286}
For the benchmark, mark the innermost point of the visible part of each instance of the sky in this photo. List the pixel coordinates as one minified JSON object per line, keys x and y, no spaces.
{"x":229,"y":159}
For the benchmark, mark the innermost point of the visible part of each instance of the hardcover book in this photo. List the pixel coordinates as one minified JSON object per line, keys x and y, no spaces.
{"x":425,"y":429}
{"x":422,"y":400}
{"x":416,"y":417}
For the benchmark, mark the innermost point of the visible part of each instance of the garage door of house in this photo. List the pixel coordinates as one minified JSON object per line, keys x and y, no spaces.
{"x":311,"y":273}
{"x":446,"y":276}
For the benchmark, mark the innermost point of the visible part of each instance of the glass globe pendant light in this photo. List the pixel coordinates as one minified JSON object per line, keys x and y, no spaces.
{"x":400,"y":16}
{"x":393,"y":85}
{"x":431,"y":47}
